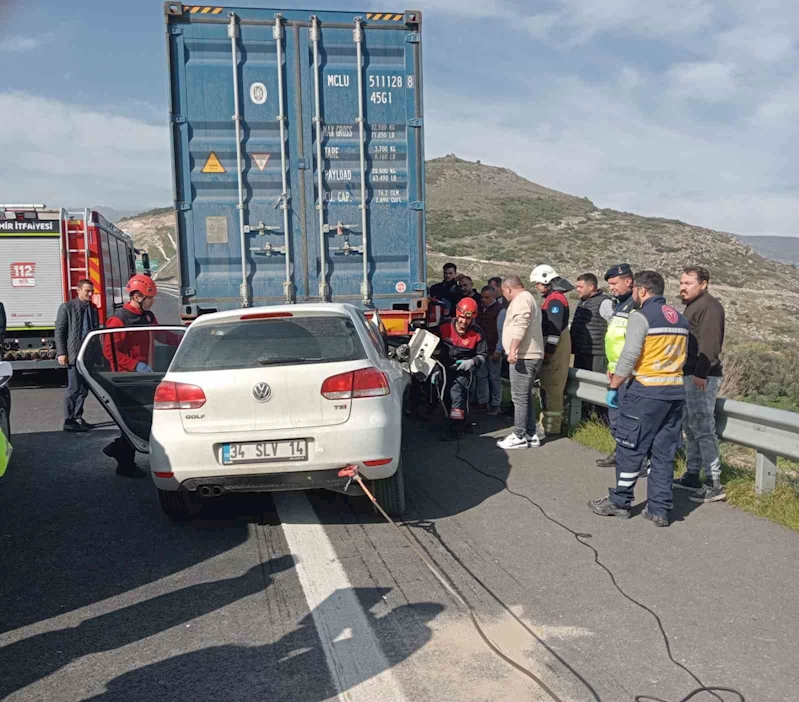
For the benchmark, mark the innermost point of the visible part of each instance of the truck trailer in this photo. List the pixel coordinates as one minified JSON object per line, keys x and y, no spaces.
{"x":298,"y":158}
{"x":44,"y":252}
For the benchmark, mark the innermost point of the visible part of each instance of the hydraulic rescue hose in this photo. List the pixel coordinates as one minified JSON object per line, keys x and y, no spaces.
{"x":351,"y":472}
{"x":579,"y":536}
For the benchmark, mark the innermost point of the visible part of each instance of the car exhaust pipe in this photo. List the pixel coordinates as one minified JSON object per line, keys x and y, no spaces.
{"x":210,"y":491}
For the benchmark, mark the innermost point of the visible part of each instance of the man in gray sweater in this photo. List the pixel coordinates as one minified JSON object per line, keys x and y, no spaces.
{"x":75,"y":320}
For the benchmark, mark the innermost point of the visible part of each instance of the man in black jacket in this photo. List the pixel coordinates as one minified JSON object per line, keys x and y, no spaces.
{"x":448,"y":290}
{"x":75,"y":320}
{"x":702,"y":376}
{"x":590,"y":324}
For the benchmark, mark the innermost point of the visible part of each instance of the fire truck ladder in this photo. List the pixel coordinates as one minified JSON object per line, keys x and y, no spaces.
{"x":75,"y":217}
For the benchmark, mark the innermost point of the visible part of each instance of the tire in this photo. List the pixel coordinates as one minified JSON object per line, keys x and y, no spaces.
{"x":390,"y":493}
{"x":176,"y":505}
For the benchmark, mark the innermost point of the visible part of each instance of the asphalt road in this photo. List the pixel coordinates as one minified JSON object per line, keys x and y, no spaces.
{"x":305,"y":598}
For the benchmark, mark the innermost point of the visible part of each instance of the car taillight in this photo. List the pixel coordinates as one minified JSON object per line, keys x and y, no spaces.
{"x":366,"y":382}
{"x":170,"y":396}
{"x":369,"y":382}
{"x":338,"y":387}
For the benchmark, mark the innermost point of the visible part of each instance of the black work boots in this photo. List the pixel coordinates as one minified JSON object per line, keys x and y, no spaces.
{"x":608,"y":461}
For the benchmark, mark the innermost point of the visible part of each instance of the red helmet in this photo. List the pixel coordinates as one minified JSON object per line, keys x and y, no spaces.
{"x":143,"y":284}
{"x":467,"y":308}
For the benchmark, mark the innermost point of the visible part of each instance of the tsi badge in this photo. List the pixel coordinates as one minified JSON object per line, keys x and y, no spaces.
{"x":262,"y":392}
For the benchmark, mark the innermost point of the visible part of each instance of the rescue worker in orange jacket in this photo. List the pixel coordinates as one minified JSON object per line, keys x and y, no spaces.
{"x":463,"y":349}
{"x":132,"y":352}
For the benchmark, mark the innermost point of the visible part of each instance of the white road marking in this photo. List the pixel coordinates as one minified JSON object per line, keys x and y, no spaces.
{"x":358,"y":667}
{"x":167,"y":291}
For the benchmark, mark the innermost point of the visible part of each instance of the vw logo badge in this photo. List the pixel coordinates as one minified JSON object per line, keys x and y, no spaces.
{"x":262,"y":392}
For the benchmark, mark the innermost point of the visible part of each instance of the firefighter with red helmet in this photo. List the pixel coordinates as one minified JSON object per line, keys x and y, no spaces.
{"x":462,"y":350}
{"x":132,"y":352}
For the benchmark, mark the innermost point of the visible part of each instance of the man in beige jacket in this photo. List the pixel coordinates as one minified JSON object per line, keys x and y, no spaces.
{"x":523,"y":340}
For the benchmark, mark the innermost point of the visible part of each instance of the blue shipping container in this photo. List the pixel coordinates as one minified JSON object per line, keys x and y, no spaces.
{"x":298,"y":156}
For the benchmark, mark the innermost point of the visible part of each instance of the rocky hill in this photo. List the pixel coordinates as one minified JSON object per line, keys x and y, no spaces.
{"x":154,"y":231}
{"x":778,"y":248}
{"x":491,"y":221}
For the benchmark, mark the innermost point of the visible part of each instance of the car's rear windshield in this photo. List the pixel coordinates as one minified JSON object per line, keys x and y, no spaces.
{"x":268,"y":342}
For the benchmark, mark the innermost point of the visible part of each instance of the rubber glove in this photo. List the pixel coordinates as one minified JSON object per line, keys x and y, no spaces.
{"x":143,"y":368}
{"x":464,"y":365}
{"x":612,"y":399}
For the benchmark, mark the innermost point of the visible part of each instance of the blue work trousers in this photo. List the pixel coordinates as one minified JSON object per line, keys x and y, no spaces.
{"x":613,"y":412}
{"x":646,"y":427}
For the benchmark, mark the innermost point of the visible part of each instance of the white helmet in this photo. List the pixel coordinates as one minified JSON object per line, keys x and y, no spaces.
{"x":543,"y":274}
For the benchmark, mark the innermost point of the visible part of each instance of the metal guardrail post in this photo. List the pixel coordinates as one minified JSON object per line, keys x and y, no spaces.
{"x":765,"y":472}
{"x":771,"y":432}
{"x":575,"y":412}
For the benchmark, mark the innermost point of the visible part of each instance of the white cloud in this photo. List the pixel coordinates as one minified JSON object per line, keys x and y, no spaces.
{"x":753,"y":43}
{"x":19,"y":44}
{"x":780,"y":108}
{"x":578,"y":21}
{"x":708,"y":138}
{"x":588,"y":141}
{"x":65,"y":154}
{"x":708,"y":82}
{"x":588,"y":18}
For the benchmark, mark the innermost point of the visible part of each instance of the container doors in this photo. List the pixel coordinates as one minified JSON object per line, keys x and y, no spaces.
{"x":270,"y":150}
{"x":361,"y":87}
{"x":245,"y":71}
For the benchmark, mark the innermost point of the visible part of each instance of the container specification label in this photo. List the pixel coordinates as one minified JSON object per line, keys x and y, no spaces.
{"x":23,"y":275}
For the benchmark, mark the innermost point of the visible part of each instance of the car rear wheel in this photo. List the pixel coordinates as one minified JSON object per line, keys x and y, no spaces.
{"x":390,"y":493}
{"x":178,"y":506}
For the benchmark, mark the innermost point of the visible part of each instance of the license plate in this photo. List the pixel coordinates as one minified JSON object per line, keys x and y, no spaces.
{"x":265,"y":452}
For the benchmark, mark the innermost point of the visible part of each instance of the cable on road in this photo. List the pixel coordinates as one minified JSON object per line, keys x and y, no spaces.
{"x":352,"y":473}
{"x":579,"y":537}
{"x":430,"y":528}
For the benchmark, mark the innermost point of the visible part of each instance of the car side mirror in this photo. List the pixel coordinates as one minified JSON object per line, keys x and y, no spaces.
{"x":3,"y":321}
{"x":145,"y":260}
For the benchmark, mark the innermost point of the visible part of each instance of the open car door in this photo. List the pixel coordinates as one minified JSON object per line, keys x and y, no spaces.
{"x":123,"y":367}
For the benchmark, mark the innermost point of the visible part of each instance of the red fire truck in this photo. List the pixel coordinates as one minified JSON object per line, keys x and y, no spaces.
{"x":44,"y":252}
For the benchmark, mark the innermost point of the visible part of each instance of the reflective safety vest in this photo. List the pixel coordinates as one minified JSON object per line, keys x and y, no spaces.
{"x":659,"y":367}
{"x":5,"y":453}
{"x":617,"y":331}
{"x":658,"y":371}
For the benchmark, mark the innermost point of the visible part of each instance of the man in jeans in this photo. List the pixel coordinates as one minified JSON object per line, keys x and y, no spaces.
{"x":489,"y":375}
{"x":702,"y":376}
{"x":523,"y":340}
{"x":75,"y":320}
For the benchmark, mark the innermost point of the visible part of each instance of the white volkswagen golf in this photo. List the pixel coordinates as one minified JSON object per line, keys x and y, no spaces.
{"x":255,"y":400}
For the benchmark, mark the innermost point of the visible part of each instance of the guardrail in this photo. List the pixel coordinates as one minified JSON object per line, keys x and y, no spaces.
{"x":771,"y":432}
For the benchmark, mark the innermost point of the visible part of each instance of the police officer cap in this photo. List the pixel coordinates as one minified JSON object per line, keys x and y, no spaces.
{"x":621,"y":269}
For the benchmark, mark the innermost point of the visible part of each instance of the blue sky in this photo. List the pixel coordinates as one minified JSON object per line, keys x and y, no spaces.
{"x":679,"y":108}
